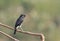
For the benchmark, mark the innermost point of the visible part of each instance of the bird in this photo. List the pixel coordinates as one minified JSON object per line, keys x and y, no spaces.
{"x":19,"y":22}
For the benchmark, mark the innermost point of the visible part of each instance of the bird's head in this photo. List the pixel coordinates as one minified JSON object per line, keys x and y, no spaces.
{"x":22,"y":15}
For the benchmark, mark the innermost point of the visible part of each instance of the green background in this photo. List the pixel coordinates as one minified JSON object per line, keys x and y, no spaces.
{"x":40,"y":19}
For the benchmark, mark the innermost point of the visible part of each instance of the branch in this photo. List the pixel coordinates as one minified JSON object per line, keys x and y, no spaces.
{"x":26,"y":32}
{"x":9,"y":36}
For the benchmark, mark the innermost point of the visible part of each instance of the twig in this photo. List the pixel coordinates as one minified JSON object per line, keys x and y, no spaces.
{"x":26,"y":32}
{"x":9,"y":36}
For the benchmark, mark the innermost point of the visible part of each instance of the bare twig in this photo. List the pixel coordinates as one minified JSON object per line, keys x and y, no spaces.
{"x":9,"y":36}
{"x":26,"y":32}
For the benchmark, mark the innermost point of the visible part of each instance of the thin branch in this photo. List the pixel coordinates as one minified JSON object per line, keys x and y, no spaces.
{"x":26,"y":32}
{"x":9,"y":36}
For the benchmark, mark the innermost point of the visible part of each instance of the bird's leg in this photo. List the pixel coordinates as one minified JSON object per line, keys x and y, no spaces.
{"x":21,"y":27}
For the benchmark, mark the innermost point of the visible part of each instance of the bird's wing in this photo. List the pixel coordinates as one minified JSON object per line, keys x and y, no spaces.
{"x":18,"y":22}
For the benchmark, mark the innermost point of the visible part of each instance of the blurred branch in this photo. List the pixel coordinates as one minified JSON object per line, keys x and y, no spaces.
{"x":9,"y":36}
{"x":26,"y":32}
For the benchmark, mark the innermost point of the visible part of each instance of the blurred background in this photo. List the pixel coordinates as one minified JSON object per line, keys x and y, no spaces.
{"x":42,"y":16}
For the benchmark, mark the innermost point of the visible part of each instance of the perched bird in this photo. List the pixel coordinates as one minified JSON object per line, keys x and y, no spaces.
{"x":19,"y":22}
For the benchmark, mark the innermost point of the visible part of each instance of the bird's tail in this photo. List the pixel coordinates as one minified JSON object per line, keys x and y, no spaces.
{"x":15,"y":31}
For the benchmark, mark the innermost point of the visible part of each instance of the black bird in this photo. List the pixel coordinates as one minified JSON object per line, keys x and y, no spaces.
{"x":19,"y":22}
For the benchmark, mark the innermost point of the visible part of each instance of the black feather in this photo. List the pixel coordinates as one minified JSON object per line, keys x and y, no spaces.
{"x":19,"y":22}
